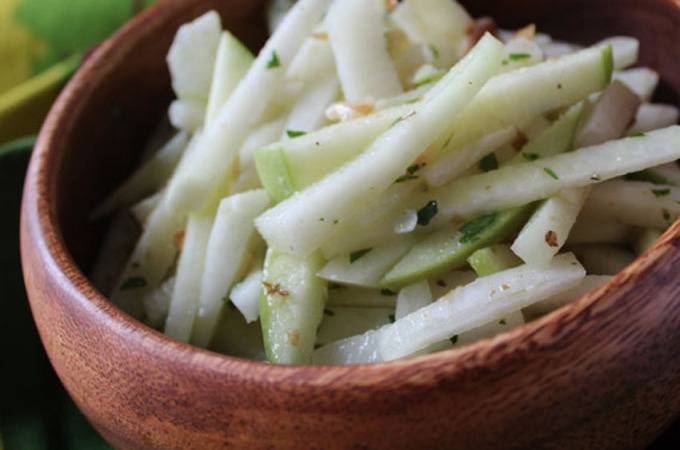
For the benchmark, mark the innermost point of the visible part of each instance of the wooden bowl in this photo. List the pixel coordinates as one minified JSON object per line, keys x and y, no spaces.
{"x":602,"y":373}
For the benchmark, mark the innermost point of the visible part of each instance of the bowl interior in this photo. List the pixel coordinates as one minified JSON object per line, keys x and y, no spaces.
{"x":131,"y":96}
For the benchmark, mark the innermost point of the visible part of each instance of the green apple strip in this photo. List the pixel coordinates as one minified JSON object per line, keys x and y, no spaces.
{"x":489,"y":260}
{"x":652,"y":116}
{"x":355,"y":29}
{"x":291,"y":306}
{"x":511,"y":186}
{"x":229,"y":247}
{"x":292,"y":165}
{"x":295,"y":225}
{"x":412,"y":298}
{"x":547,"y":230}
{"x":538,"y":89}
{"x":351,"y":296}
{"x":192,"y":187}
{"x":232,"y":63}
{"x":636,"y":203}
{"x":626,"y":50}
{"x":365,"y":267}
{"x":151,"y":261}
{"x":187,"y":292}
{"x":148,"y":178}
{"x":484,"y":300}
{"x":343,"y":322}
{"x":443,"y":24}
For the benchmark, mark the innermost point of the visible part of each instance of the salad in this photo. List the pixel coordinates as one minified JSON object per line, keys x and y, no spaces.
{"x":388,"y":179}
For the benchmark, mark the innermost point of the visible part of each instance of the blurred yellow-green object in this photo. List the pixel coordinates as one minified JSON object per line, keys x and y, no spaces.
{"x":40,"y":41}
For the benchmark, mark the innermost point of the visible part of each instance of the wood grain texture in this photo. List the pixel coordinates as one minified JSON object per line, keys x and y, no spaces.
{"x":602,"y":373}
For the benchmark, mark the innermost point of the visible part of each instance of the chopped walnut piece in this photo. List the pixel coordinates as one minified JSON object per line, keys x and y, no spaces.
{"x":344,"y":111}
{"x":551,"y":239}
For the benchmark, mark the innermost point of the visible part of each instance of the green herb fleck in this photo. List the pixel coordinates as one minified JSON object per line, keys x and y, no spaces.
{"x":328,"y":312}
{"x":551,"y":172}
{"x":354,"y":256}
{"x":471,"y":230}
{"x":502,"y":322}
{"x":414,"y":168}
{"x":274,"y":61}
{"x":435,"y":51}
{"x":454,"y":339}
{"x":638,"y":135}
{"x":531,"y":156}
{"x":294,"y":133}
{"x":505,"y":62}
{"x":488,"y":163}
{"x":387,"y":293}
{"x":392,"y":318}
{"x":133,"y":283}
{"x":661,"y":192}
{"x":403,"y":178}
{"x":427,"y":212}
{"x":519,"y":56}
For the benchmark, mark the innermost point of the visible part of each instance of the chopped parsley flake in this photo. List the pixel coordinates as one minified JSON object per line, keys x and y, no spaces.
{"x":471,"y":230}
{"x":661,"y":192}
{"x":274,"y":61}
{"x":391,"y":317}
{"x":551,"y":172}
{"x":403,"y":178}
{"x":454,"y":339}
{"x":414,"y":168}
{"x":649,"y":176}
{"x":427,"y":213}
{"x":133,"y":283}
{"x":387,"y":293}
{"x":505,"y":62}
{"x":638,"y":135}
{"x":519,"y":56}
{"x":488,"y":163}
{"x":354,"y":256}
{"x":294,"y":133}
{"x":531,"y":156}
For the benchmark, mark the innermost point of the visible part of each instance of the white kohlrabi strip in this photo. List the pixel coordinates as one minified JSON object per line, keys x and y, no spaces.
{"x":214,"y":156}
{"x":652,"y":116}
{"x":309,"y":113}
{"x":441,"y":24}
{"x":518,"y":185}
{"x":488,"y":298}
{"x":491,"y":329}
{"x":625,"y":49}
{"x":412,"y":298}
{"x":589,"y":283}
{"x":148,"y":178}
{"x":361,"y":349}
{"x":157,"y":303}
{"x":246,"y":295}
{"x":143,"y":209}
{"x":152,"y":259}
{"x":295,"y":224}
{"x":450,"y":166}
{"x":365,"y":267}
{"x":230,"y":244}
{"x":640,"y":204}
{"x":186,"y":115}
{"x":191,"y":58}
{"x":187,"y":292}
{"x":547,"y":230}
{"x":641,"y":80}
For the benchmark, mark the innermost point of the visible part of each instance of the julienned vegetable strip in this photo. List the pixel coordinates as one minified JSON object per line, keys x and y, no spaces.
{"x":517,"y":185}
{"x":294,"y":224}
{"x":214,"y":155}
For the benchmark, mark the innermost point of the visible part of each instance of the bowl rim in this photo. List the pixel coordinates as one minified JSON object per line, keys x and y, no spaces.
{"x":39,"y":220}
